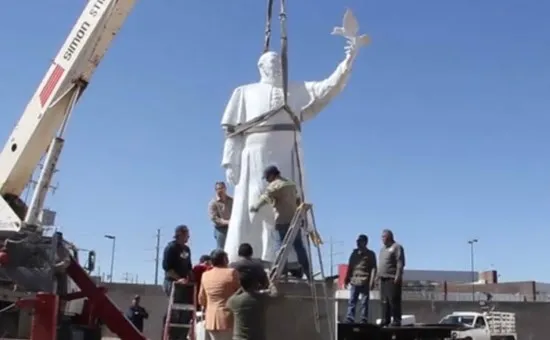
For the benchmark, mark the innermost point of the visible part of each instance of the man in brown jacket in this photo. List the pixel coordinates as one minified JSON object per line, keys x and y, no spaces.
{"x":217,"y":286}
{"x":282,"y":194}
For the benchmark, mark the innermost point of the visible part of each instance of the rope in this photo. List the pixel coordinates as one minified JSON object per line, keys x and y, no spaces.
{"x":284,"y":50}
{"x":284,"y":70}
{"x":314,"y":234}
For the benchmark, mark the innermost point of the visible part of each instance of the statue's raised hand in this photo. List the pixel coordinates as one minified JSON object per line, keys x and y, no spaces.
{"x":350,"y":31}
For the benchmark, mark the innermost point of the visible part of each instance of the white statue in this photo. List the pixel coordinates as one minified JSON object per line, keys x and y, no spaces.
{"x":270,"y":141}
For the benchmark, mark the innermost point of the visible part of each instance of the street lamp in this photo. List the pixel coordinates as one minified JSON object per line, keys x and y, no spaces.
{"x":112,"y":238}
{"x":471,"y":243}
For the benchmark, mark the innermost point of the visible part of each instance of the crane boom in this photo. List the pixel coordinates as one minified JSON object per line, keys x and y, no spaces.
{"x":32,"y":260}
{"x":44,"y":119}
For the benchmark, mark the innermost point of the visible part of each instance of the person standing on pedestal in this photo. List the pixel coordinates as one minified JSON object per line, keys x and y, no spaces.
{"x":219,"y":211}
{"x":390,"y":271}
{"x":360,"y":277}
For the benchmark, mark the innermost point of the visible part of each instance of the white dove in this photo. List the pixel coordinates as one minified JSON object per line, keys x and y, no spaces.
{"x":350,"y":29}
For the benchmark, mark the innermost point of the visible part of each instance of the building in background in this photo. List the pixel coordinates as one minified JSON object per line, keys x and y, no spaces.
{"x":419,"y":277}
{"x":451,"y":285}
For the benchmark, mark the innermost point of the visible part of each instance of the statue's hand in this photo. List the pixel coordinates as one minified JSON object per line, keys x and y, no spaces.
{"x":350,"y":31}
{"x":351,"y":50}
{"x":232,"y":175}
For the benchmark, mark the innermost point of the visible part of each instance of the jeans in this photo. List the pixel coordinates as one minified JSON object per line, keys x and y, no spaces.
{"x":299,"y":248}
{"x":220,"y":234}
{"x":183,"y":294}
{"x":390,"y":296}
{"x":355,"y":293}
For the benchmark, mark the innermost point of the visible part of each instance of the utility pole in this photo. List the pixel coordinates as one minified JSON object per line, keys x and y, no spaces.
{"x":331,"y":262}
{"x":32,"y":183}
{"x":332,"y":254}
{"x":472,"y":242}
{"x":157,"y":258}
{"x":126,"y":277}
{"x":113,"y":239}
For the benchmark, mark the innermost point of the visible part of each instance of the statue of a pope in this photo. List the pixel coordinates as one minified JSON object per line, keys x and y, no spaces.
{"x":271,"y":142}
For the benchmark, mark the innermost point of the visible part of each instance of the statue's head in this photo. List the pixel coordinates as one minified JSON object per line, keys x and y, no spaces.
{"x":270,"y":67}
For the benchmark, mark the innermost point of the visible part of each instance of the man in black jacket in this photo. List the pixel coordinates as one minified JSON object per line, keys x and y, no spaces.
{"x":360,"y":277}
{"x":136,"y":313}
{"x":178,"y":269}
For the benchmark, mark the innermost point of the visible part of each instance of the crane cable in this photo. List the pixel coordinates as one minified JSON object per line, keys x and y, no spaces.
{"x":313,"y":232}
{"x":284,"y":71}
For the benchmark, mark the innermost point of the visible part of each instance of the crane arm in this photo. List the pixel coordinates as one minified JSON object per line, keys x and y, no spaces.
{"x":46,"y":114}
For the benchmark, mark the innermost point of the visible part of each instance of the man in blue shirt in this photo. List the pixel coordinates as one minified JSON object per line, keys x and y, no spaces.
{"x":136,"y":314}
{"x":360,"y":276}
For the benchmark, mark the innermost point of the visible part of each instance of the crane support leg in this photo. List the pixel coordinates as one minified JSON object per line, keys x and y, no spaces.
{"x":105,"y":309}
{"x":46,"y":307}
{"x":44,"y":321}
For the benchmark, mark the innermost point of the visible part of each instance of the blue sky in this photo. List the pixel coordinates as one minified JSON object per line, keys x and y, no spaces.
{"x":441,"y":134}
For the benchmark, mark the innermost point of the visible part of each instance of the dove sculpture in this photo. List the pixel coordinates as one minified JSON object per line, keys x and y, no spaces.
{"x":350,"y":30}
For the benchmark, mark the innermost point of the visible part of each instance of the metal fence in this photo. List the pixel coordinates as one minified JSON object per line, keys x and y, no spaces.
{"x":431,"y":295}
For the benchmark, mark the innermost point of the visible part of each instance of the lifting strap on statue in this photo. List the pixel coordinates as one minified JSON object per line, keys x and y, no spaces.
{"x":268,"y":25}
{"x":284,"y":70}
{"x":304,"y":210}
{"x":253,"y":125}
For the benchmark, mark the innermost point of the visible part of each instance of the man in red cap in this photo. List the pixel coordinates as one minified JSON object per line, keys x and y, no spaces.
{"x":204,"y":265}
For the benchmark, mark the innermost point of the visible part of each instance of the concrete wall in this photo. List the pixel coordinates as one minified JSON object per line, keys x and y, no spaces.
{"x":291,"y":316}
{"x":295,"y":310}
{"x":152,"y":298}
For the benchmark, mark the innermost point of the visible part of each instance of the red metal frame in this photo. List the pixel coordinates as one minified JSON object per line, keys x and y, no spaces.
{"x":44,"y":321}
{"x":89,"y":316}
{"x":98,"y":306}
{"x":101,"y":305}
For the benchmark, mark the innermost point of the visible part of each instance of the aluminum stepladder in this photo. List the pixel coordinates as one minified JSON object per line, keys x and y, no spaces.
{"x":297,"y":224}
{"x":182,"y":299}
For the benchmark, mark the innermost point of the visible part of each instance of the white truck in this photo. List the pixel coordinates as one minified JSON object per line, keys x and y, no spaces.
{"x":482,"y":326}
